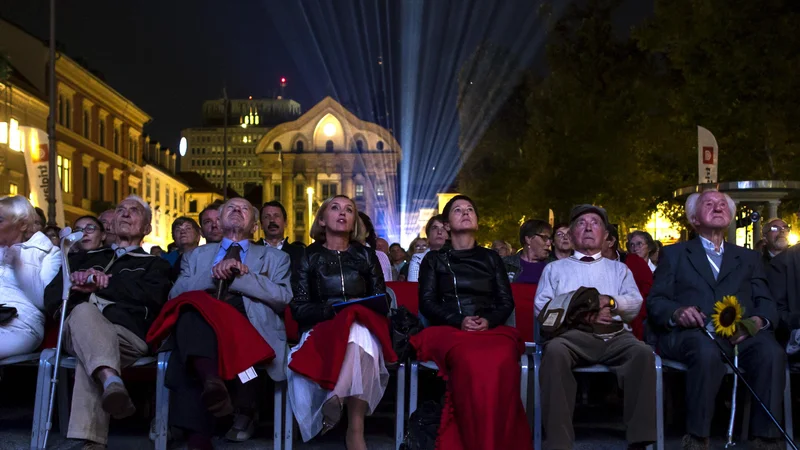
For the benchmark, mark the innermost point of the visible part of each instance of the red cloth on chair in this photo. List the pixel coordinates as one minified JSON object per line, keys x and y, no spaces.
{"x":239,"y":346}
{"x":321,"y":356}
{"x":482,"y":409}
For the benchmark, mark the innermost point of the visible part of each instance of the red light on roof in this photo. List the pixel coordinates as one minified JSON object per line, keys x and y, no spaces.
{"x":283,"y":80}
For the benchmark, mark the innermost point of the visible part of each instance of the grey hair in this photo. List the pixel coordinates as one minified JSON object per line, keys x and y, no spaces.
{"x":694,"y":200}
{"x":19,"y":208}
{"x":253,"y":210}
{"x":148,"y":213}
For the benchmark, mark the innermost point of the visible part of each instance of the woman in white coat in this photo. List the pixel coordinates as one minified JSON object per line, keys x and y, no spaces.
{"x":26,"y":268}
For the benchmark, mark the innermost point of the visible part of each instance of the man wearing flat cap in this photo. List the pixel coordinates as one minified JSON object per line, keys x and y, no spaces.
{"x":610,"y":341}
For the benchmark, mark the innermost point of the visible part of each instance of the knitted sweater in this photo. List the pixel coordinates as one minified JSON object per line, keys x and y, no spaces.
{"x":611,"y":278}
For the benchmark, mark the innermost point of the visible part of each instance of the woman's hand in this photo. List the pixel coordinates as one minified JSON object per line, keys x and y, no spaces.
{"x":474,"y":323}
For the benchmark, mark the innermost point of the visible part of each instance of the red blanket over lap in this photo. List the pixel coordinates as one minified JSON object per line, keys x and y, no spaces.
{"x":321,"y":356}
{"x":482,"y":409}
{"x":239,"y":345}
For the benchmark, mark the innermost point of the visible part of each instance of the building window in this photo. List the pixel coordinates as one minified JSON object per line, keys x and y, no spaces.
{"x":299,"y":146}
{"x":277,"y":146}
{"x":175,"y":199}
{"x":166,"y":202}
{"x":68,"y":113}
{"x":379,"y":190}
{"x":116,"y":140}
{"x":276,"y":192}
{"x":116,"y":191}
{"x":13,"y":189}
{"x":299,"y":192}
{"x":359,"y":146}
{"x":134,"y":191}
{"x":86,"y":124}
{"x":359,"y":191}
{"x":64,"y":171}
{"x":329,"y":146}
{"x":329,"y":190}
{"x":102,"y":138}
{"x":147,"y":188}
{"x":61,"y":109}
{"x":380,"y":146}
{"x":299,"y":217}
{"x":158,"y":192}
{"x":192,"y":206}
{"x":85,"y":180}
{"x":101,"y":181}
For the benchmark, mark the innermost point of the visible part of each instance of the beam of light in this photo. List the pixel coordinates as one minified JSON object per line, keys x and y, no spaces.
{"x":433,"y":72}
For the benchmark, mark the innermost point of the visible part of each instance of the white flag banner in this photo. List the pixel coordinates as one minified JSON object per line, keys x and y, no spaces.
{"x":36,"y":149}
{"x":707,"y":156}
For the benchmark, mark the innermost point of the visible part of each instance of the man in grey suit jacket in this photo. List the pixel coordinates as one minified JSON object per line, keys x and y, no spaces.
{"x":691,"y":277}
{"x":256,"y":281}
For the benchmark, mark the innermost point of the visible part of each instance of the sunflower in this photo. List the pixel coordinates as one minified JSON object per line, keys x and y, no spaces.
{"x":728,"y":314}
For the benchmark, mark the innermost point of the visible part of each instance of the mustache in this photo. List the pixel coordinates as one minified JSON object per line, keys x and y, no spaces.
{"x":272,"y":225}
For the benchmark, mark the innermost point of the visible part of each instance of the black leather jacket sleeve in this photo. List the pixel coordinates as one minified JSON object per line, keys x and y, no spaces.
{"x":502,"y":294}
{"x":305,"y":310}
{"x":430,"y":302}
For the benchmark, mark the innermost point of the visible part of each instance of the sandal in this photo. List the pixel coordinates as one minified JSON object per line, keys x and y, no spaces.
{"x":331,"y":413}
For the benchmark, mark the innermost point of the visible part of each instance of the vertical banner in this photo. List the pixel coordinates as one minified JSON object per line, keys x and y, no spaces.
{"x":707,"y":156}
{"x":37,"y":153}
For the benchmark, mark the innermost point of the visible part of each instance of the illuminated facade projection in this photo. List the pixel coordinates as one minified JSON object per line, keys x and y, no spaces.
{"x":325,"y":152}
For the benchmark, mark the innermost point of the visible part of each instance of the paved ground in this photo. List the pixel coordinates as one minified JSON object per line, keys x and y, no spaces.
{"x":598,"y":416}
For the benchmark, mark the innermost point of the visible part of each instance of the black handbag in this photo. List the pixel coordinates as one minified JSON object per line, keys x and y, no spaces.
{"x":423,"y":427}
{"x":404,"y":325}
{"x":7,"y":313}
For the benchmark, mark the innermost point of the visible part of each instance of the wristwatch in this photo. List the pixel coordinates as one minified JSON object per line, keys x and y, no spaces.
{"x":612,"y":304}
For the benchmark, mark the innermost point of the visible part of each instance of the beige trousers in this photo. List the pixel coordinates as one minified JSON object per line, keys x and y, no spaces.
{"x":96,"y":343}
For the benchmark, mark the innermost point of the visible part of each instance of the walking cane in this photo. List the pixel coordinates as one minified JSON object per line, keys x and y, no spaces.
{"x":730,"y":442}
{"x":750,"y":388}
{"x":68,"y":239}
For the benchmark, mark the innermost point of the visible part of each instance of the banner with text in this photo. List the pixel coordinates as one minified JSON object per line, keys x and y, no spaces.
{"x":707,"y":156}
{"x":37,"y":152}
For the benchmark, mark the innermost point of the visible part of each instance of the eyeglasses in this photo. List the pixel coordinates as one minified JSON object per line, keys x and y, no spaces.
{"x":421,"y":246}
{"x":562,"y":235}
{"x":775,"y":228}
{"x":88,"y":229}
{"x":545,"y":237}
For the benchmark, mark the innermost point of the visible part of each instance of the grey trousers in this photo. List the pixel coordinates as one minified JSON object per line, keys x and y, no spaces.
{"x":631,"y":360}
{"x":96,"y":343}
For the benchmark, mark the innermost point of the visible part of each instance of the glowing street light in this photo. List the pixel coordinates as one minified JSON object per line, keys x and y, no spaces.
{"x":182,"y":146}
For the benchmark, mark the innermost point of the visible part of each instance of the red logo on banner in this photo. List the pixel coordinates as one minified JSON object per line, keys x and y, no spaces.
{"x":708,"y":155}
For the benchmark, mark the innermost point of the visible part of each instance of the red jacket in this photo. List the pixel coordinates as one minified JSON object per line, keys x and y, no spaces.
{"x":644,"y":281}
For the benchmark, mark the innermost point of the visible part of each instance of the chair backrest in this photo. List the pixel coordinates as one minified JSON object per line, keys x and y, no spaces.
{"x":407,"y":294}
{"x":523,"y":302}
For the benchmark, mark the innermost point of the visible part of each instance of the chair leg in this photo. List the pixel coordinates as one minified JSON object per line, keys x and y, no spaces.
{"x":162,"y":402}
{"x":537,"y":402}
{"x":288,"y":420}
{"x":659,"y":404}
{"x":277,"y":412}
{"x":63,"y":400}
{"x":787,"y":408}
{"x":42,"y":400}
{"x":413,"y":387}
{"x":400,"y":415}
{"x":524,"y":362}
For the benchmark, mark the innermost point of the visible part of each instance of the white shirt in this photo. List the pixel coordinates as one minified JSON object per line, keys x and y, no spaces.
{"x":413,"y":266}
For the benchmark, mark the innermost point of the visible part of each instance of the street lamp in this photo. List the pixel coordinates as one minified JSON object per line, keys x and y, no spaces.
{"x":310,"y":192}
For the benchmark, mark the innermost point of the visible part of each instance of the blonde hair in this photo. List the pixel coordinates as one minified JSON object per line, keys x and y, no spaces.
{"x":358,"y":233}
{"x":19,"y":208}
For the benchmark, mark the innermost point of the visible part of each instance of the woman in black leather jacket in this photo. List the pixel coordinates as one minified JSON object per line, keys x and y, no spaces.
{"x":335,"y":268}
{"x":465,"y":294}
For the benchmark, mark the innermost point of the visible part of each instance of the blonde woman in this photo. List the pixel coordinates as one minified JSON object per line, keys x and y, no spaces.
{"x":335,"y":268}
{"x":26,"y":268}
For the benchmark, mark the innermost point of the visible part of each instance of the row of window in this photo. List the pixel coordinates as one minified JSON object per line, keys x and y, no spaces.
{"x":217,"y":138}
{"x":147,"y":184}
{"x":299,"y":146}
{"x":220,"y":150}
{"x":65,"y":119}
{"x":231,"y":173}
{"x":219,"y":162}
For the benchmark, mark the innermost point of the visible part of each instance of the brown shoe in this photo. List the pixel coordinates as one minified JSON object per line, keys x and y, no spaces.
{"x":766,"y":444}
{"x":215,"y":397}
{"x":117,"y":402}
{"x":89,"y":445}
{"x":690,"y":442}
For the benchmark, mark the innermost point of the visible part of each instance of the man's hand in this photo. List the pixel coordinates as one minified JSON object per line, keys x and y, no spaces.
{"x":604,"y":301}
{"x":471,"y":323}
{"x":222,"y":271}
{"x":689,"y":317}
{"x":741,"y":332}
{"x":88,"y":281}
{"x":603,"y":317}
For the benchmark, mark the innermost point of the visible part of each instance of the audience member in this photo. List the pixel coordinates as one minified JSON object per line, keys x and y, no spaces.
{"x":171,"y":247}
{"x":399,"y":259}
{"x":273,"y":222}
{"x":156,"y":250}
{"x":562,"y":247}
{"x":418,"y":246}
{"x":535,"y":239}
{"x":335,"y":268}
{"x":209,"y":223}
{"x":601,"y":337}
{"x":39,"y":223}
{"x":466,"y":295}
{"x":52,"y":232}
{"x":373,"y":241}
{"x":111,"y":309}
{"x":257,"y":296}
{"x":642,"y":245}
{"x":26,"y":267}
{"x":691,"y":277}
{"x":640,"y":271}
{"x":93,"y":233}
{"x":437,"y":235}
{"x":186,"y":234}
{"x":502,"y":248}
{"x":656,"y":253}
{"x":107,"y":219}
{"x":776,"y":236}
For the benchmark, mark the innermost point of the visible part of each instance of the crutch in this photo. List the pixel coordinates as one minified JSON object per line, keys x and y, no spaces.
{"x":68,"y":239}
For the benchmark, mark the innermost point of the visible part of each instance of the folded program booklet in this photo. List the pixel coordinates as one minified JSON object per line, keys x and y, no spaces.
{"x":378,"y":303}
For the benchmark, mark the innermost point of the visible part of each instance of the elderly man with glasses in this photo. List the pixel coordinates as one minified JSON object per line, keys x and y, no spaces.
{"x":776,"y":235}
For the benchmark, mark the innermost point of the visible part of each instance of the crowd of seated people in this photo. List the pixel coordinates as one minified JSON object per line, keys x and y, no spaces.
{"x":201,"y":301}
